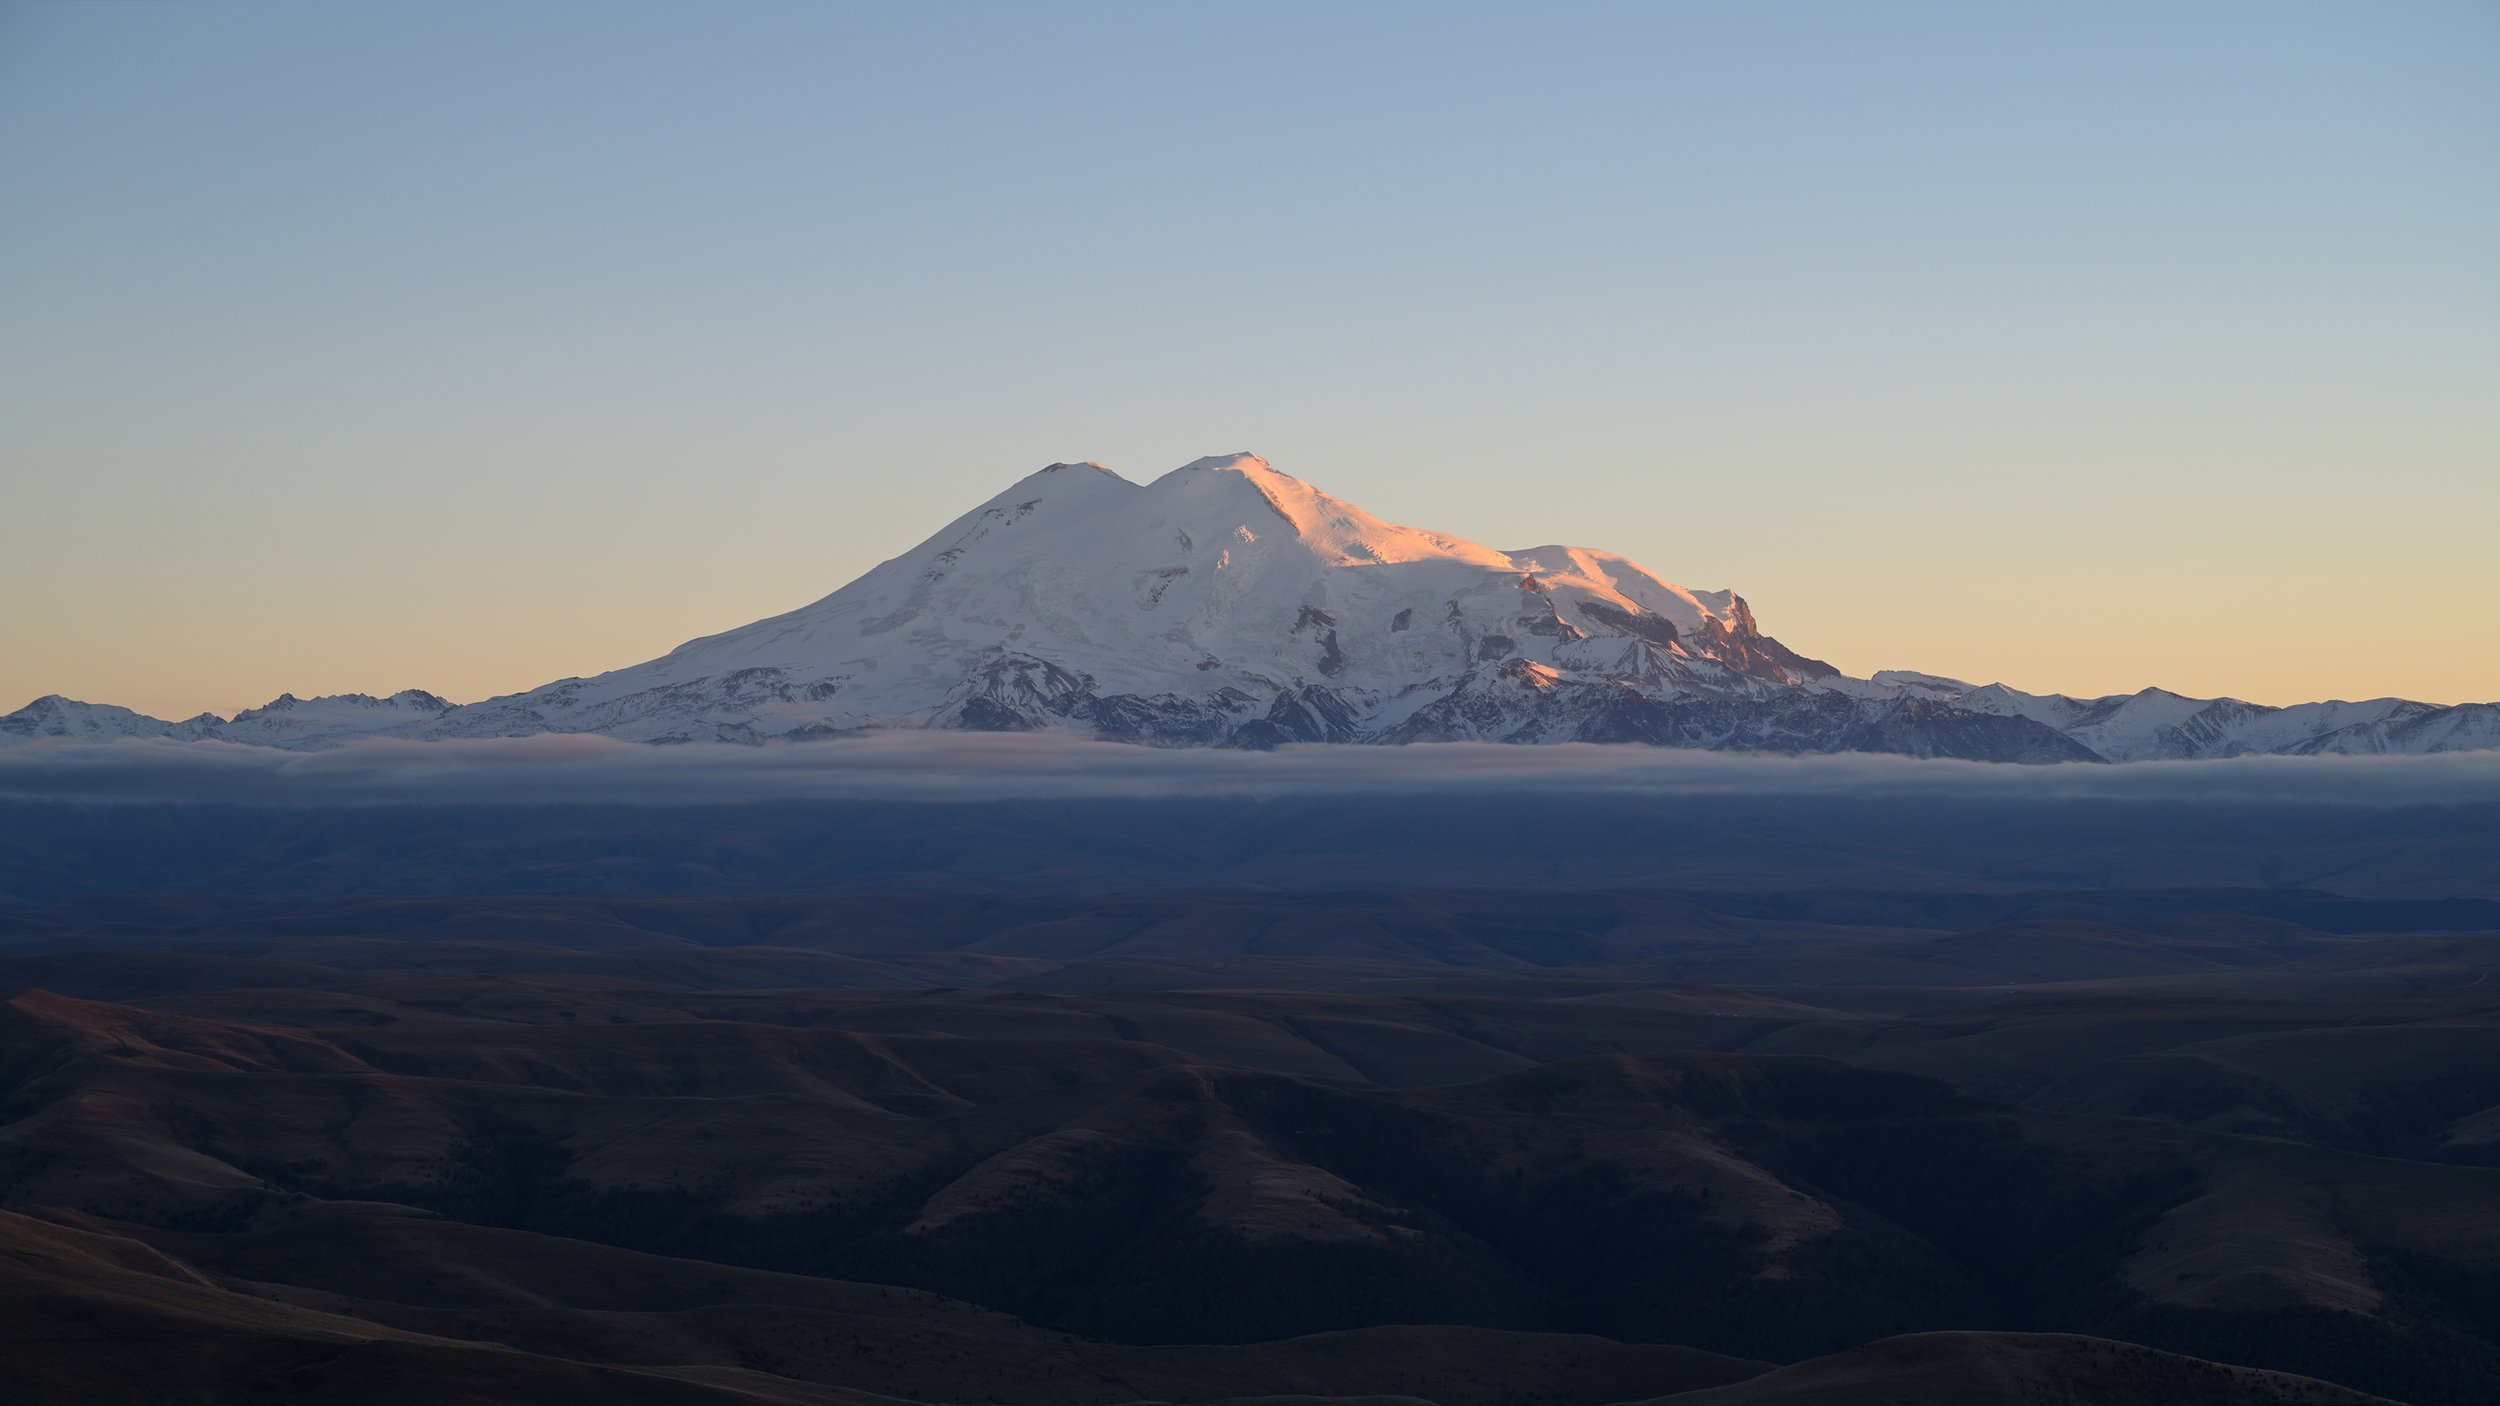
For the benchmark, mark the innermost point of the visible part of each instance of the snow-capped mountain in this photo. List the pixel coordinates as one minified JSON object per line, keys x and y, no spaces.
{"x":53,"y":716}
{"x":1223,"y":602}
{"x":298,"y":724}
{"x":2156,"y":724}
{"x":1228,"y":604}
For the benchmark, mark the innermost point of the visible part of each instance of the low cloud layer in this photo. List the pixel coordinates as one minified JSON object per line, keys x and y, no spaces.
{"x":976,"y":766}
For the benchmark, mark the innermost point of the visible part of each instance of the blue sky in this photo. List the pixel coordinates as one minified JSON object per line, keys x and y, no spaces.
{"x":467,"y":346}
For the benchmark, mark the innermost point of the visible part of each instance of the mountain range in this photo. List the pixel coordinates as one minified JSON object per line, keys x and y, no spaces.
{"x":1229,"y":604}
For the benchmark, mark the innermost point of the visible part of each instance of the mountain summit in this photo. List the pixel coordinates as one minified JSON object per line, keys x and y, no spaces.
{"x":1227,"y":603}
{"x":1224,"y":602}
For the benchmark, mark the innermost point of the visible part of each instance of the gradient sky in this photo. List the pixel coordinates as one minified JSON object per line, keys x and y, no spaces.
{"x":467,"y":346}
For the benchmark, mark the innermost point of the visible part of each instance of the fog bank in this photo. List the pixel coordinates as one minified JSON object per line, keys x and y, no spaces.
{"x":955,"y":766}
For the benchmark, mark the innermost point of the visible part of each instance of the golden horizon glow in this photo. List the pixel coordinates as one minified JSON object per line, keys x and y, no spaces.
{"x":1996,"y":343}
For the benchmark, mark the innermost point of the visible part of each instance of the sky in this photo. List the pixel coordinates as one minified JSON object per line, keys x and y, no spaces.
{"x":468,"y":346}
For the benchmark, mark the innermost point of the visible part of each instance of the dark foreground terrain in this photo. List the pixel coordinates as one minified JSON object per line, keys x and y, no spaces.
{"x":2052,"y":1145}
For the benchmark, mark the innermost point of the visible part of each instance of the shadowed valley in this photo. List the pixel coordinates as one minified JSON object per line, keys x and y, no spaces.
{"x":1462,"y":1147}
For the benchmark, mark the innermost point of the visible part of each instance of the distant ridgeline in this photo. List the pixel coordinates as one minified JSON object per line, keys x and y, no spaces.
{"x":1227,"y":604}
